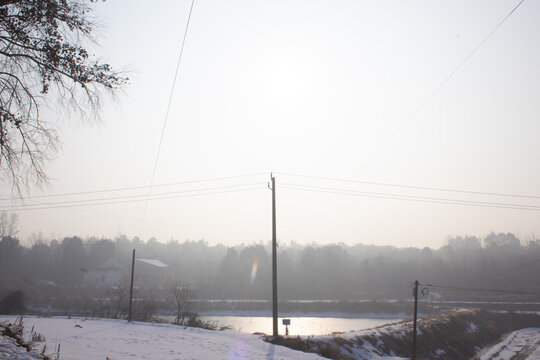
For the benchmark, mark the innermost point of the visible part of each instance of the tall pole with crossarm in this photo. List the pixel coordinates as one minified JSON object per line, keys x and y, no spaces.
{"x":415,"y":293}
{"x":274,"y":261}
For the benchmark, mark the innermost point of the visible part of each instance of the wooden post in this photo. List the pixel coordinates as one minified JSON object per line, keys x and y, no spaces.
{"x":131,"y":286}
{"x":415,"y":293}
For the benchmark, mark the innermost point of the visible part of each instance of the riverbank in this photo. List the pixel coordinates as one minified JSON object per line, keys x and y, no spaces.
{"x":352,"y":308}
{"x":312,"y":308}
{"x":448,"y":336}
{"x":521,"y":344}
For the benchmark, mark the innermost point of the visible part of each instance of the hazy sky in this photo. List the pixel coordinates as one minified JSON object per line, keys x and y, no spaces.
{"x":321,"y":88}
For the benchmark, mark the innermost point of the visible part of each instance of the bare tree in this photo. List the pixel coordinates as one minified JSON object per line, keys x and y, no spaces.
{"x":182,"y":294}
{"x":118,"y":294}
{"x":41,"y":55}
{"x":9,"y":225}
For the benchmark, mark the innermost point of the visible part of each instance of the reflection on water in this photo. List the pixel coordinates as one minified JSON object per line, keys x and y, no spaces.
{"x":299,"y":325}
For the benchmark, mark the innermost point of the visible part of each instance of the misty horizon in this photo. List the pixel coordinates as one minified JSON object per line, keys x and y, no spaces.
{"x":398,"y":102}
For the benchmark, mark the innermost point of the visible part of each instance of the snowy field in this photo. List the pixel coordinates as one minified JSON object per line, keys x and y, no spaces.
{"x":116,"y":340}
{"x":521,"y":344}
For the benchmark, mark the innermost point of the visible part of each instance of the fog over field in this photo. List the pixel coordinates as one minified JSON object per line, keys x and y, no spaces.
{"x":85,"y":275}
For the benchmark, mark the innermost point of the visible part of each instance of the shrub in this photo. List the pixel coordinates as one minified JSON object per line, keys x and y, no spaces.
{"x":13,"y":303}
{"x":144,"y":310}
{"x":194,"y":320}
{"x":15,"y":331}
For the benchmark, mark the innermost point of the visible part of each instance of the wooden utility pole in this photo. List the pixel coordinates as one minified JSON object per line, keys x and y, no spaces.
{"x":415,"y":293}
{"x":274,"y":262}
{"x":131,"y":286}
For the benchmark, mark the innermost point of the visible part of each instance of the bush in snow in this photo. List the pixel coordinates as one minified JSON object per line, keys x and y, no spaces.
{"x":13,"y":303}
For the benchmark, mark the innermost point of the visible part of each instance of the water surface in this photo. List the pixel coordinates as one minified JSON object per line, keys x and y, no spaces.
{"x":299,"y":325}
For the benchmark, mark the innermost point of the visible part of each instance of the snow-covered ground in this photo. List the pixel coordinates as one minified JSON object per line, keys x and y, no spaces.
{"x":367,"y":350}
{"x":9,"y":350}
{"x":81,"y":339}
{"x":520,"y":344}
{"x":116,"y":340}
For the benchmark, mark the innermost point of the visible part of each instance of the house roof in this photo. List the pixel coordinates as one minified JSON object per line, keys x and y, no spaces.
{"x":153,"y":262}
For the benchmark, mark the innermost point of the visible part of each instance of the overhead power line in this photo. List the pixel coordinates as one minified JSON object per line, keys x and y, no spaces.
{"x":414,"y":187}
{"x":168,"y":110}
{"x":171,"y":93}
{"x":445,"y":80}
{"x":136,"y":187}
{"x":133,"y":196}
{"x":460,"y":65}
{"x":129,"y":201}
{"x":411,"y":198}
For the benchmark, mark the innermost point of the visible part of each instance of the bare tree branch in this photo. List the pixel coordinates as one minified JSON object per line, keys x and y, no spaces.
{"x":40,"y":46}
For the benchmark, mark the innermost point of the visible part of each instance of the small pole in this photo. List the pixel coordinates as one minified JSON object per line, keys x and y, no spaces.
{"x":274,"y":262}
{"x":131,"y":286}
{"x":415,"y":293}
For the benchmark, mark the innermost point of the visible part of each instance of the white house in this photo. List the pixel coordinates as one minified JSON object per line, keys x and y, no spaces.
{"x":113,"y":271}
{"x":108,"y":273}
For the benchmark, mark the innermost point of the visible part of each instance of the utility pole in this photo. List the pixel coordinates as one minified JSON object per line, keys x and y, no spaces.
{"x":131,"y":286}
{"x":415,"y":293}
{"x":274,"y":261}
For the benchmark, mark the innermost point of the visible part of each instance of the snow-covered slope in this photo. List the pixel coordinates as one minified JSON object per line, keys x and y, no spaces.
{"x":520,"y":344}
{"x":10,"y":350}
{"x":116,"y":339}
{"x":448,"y":336}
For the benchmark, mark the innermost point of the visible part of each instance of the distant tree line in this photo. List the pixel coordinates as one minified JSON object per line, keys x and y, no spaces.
{"x":337,"y":271}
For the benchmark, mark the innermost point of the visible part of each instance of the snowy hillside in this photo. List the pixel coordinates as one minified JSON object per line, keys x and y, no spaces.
{"x":449,"y":336}
{"x":10,"y":350}
{"x":116,"y":339}
{"x":521,"y":344}
{"x":440,"y":337}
